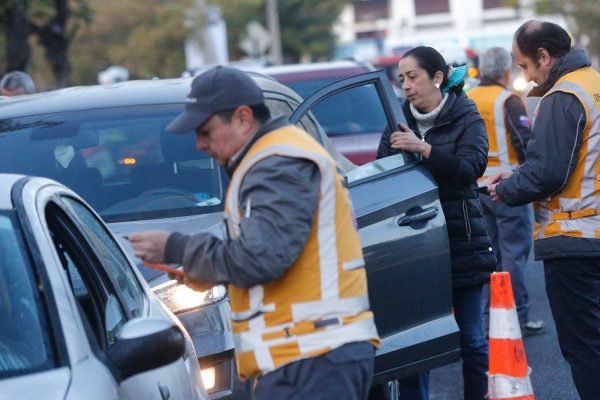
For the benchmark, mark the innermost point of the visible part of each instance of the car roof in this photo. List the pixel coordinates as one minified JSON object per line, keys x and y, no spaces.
{"x":310,"y":67}
{"x":6,"y":183}
{"x":122,"y":94}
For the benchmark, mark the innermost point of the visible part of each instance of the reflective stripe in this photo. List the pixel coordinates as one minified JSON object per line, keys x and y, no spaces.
{"x":330,"y":337}
{"x":359,"y":331}
{"x":256,"y":295}
{"x":313,"y":310}
{"x":587,"y":212}
{"x":326,"y":234}
{"x":350,"y":265}
{"x":504,"y":324}
{"x":508,"y":387}
{"x":501,"y":139}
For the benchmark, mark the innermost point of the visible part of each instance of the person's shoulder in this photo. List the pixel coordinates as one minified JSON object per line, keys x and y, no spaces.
{"x":462,"y":106}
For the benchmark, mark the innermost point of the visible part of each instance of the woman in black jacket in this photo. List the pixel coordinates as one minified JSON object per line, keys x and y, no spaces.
{"x":445,"y":127}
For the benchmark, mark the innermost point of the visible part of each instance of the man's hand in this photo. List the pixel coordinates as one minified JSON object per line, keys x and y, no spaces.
{"x":493,"y":182}
{"x":149,"y":246}
{"x":408,"y":141}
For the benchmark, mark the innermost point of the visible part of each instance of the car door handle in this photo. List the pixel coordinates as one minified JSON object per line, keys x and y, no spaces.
{"x":423,"y":215}
{"x":165,"y":393}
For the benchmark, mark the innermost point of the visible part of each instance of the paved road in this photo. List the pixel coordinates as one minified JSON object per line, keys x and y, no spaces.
{"x":551,"y":377}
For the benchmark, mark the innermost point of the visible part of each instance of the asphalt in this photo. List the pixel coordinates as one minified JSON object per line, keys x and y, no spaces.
{"x":551,"y":375}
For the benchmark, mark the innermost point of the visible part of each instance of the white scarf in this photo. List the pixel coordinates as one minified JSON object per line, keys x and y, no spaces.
{"x":426,"y":121}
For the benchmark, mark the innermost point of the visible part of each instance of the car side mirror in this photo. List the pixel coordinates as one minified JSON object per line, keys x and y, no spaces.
{"x":144,"y":344}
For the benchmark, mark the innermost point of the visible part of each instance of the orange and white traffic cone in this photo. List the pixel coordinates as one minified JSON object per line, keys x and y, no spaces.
{"x":509,"y":375}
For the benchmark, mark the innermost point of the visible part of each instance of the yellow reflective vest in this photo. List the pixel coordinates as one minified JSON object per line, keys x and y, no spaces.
{"x":490,"y":101}
{"x":573,"y":211}
{"x":321,"y":302}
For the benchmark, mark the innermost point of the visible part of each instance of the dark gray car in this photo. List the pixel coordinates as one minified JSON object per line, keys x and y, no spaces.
{"x":109,"y":144}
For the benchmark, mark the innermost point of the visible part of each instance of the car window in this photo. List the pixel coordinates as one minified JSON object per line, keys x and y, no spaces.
{"x":306,"y":87}
{"x":343,"y":105}
{"x":278,"y":107}
{"x":110,"y":255}
{"x":95,"y":292}
{"x":24,"y":342}
{"x":353,"y":111}
{"x":285,"y":107}
{"x":122,"y":161}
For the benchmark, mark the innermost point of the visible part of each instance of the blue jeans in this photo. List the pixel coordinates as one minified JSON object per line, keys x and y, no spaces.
{"x":473,"y":350}
{"x":473,"y":346}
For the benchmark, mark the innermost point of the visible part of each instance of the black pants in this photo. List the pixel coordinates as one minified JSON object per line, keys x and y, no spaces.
{"x":573,"y":288}
{"x":343,"y":373}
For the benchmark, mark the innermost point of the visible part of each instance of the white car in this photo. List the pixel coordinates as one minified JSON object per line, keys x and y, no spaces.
{"x":77,"y":320}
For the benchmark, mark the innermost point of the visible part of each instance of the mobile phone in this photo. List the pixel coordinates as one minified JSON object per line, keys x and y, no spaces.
{"x":483,"y":190}
{"x":166,"y":268}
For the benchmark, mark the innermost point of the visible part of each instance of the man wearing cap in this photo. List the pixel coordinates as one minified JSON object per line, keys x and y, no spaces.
{"x":291,"y":254}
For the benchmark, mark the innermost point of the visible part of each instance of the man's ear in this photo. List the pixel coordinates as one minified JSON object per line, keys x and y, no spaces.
{"x":543,"y":57}
{"x":245,"y":117}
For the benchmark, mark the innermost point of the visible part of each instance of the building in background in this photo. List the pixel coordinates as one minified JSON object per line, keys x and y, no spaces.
{"x":453,"y":26}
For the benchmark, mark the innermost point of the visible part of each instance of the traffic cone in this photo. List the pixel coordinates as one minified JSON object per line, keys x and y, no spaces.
{"x":509,"y":375}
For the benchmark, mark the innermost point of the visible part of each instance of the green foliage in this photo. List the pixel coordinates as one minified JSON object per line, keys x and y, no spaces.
{"x":583,"y":17}
{"x":39,"y":12}
{"x":145,"y":36}
{"x":53,"y":23}
{"x":306,"y":25}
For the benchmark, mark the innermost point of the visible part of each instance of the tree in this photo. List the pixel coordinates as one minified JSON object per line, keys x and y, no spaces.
{"x":583,"y":19}
{"x":13,"y":20}
{"x":306,"y":25}
{"x":145,"y":36}
{"x":53,"y":22}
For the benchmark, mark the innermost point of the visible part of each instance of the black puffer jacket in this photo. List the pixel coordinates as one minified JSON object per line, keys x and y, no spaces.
{"x":458,"y":157}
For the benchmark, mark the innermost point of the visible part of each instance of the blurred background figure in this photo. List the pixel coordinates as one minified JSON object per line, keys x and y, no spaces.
{"x":509,"y":129}
{"x":16,"y":83}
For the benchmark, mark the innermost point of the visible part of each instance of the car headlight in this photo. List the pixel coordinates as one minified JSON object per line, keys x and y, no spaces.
{"x":180,"y":298}
{"x":208,"y":376}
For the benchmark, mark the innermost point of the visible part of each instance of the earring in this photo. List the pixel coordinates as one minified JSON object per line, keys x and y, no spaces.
{"x":437,"y":85}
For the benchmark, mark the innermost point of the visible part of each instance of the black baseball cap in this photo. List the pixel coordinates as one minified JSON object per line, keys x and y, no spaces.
{"x":218,"y":89}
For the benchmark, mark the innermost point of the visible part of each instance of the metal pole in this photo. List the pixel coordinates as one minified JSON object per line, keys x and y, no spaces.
{"x":273,"y":26}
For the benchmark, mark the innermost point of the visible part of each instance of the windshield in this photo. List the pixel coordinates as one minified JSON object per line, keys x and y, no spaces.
{"x":120,"y":160}
{"x":24,"y":342}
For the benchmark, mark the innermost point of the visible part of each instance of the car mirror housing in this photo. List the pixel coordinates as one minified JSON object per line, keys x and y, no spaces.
{"x":144,"y":344}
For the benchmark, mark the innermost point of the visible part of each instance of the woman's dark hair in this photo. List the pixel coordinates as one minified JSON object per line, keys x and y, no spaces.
{"x":533,"y":35}
{"x":432,"y":61}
